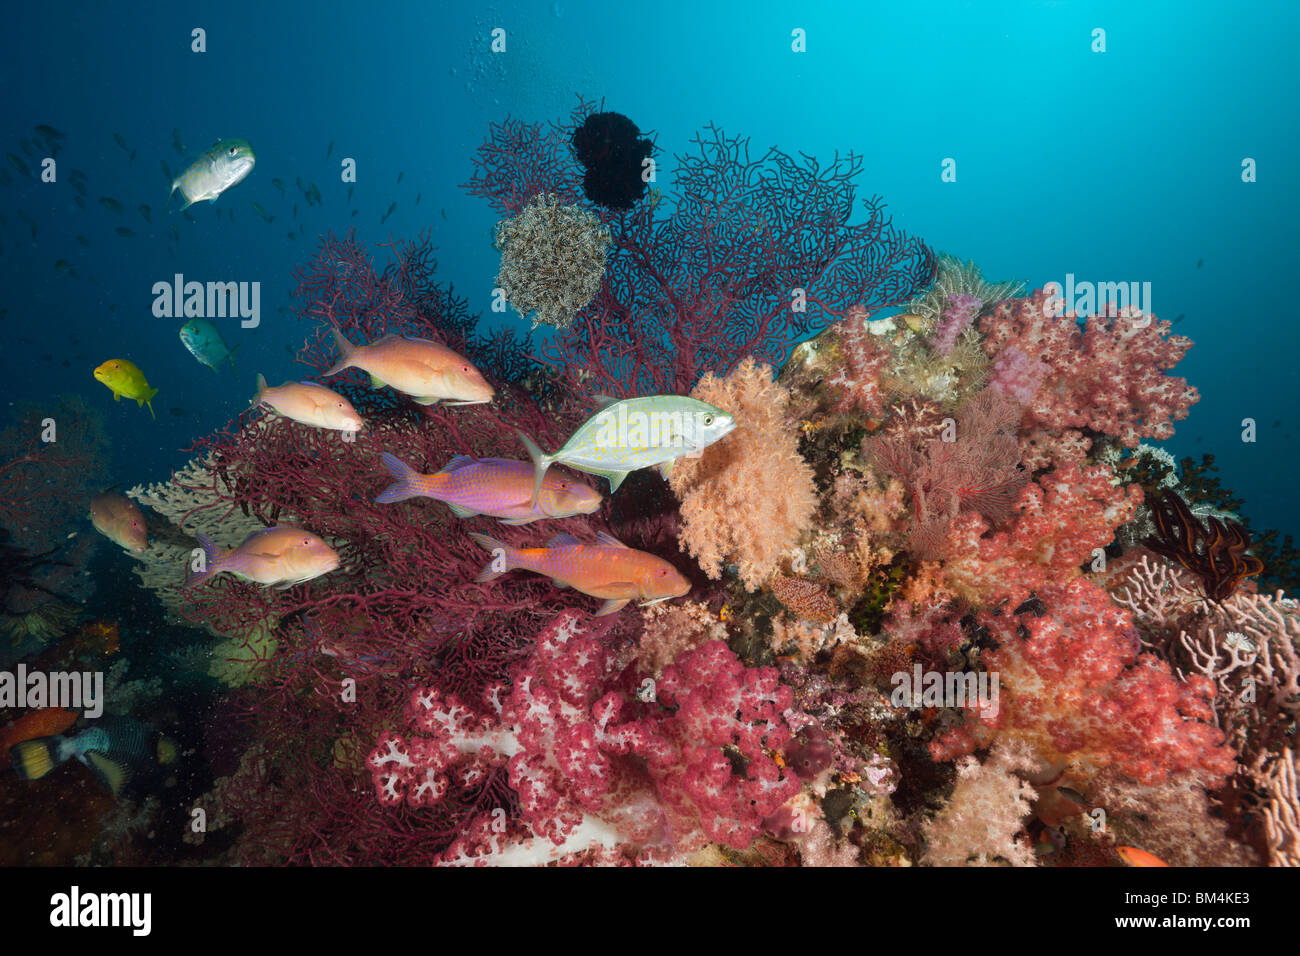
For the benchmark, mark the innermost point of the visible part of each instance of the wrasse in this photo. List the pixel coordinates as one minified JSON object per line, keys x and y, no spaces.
{"x":490,"y":486}
{"x":428,"y":372}
{"x":609,"y":570}
{"x":281,"y":556}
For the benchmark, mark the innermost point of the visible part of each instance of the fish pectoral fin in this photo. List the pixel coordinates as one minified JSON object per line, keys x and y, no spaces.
{"x":560,"y":584}
{"x":376,"y":381}
{"x":460,"y":511}
{"x":612,"y":605}
{"x":517,"y":520}
{"x":117,"y":396}
{"x":666,"y":469}
{"x":655,"y":601}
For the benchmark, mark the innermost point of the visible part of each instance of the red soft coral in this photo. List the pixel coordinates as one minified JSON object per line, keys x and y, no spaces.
{"x":1108,"y":377}
{"x":1064,"y":517}
{"x":1075,"y":688}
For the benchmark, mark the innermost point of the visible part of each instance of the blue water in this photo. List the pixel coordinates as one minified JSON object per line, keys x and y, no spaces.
{"x":1115,"y":166}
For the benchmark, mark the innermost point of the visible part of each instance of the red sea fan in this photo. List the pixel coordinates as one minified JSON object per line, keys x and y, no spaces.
{"x":755,"y":255}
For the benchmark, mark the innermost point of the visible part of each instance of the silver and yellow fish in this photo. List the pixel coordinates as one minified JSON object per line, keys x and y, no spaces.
{"x":624,"y":435}
{"x":226,"y":164}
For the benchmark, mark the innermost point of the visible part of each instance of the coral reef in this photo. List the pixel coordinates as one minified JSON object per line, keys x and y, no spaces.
{"x":922,"y":629}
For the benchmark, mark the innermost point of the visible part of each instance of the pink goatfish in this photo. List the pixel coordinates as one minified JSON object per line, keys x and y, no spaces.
{"x":309,"y":404}
{"x":428,"y":372}
{"x":609,"y":570}
{"x":493,"y":487}
{"x":280,"y":556}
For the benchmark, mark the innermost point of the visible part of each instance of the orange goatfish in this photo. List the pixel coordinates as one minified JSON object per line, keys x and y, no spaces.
{"x":120,"y":520}
{"x":1135,"y":857}
{"x":280,"y":556}
{"x":491,"y":486}
{"x":36,"y":723}
{"x":609,"y":570}
{"x":428,"y":372}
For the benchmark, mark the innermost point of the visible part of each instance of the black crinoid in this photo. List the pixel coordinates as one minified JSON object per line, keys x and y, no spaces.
{"x":1212,"y":549}
{"x":612,"y":150}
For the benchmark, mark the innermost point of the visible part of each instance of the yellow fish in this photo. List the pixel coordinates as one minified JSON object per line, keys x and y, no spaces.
{"x":124,"y":378}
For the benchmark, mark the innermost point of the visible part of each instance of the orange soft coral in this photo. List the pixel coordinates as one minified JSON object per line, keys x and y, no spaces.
{"x":747,"y":498}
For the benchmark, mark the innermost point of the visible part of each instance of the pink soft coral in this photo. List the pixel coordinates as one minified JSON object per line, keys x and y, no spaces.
{"x":596,"y":768}
{"x":1108,"y":377}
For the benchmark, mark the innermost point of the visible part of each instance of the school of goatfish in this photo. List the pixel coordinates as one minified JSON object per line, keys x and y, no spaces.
{"x":513,"y":492}
{"x":425,"y":373}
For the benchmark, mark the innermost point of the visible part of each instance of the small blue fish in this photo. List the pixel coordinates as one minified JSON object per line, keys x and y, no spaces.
{"x":205,"y":343}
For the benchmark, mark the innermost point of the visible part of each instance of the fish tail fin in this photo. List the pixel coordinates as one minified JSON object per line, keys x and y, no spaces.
{"x":407,"y":485}
{"x":234,"y":370}
{"x":500,"y":561}
{"x":541,"y":462}
{"x":346,"y":349}
{"x":261,"y":388}
{"x":35,"y":758}
{"x":213,"y":554}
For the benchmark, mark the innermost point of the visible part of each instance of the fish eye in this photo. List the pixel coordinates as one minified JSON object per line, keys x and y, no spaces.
{"x":708,"y":419}
{"x":233,"y":150}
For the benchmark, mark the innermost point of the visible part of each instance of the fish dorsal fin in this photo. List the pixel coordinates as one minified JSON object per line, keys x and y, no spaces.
{"x":604,"y":401}
{"x":458,"y":462}
{"x":562,"y":541}
{"x":609,"y":540}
